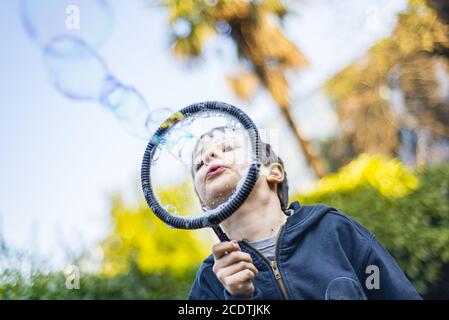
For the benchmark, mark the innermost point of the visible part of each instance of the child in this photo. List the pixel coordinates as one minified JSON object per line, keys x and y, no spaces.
{"x":280,"y":251}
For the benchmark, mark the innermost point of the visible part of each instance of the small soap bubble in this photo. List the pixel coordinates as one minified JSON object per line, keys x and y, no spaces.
{"x":128,"y":105}
{"x":180,"y":144}
{"x":171,"y":209}
{"x":204,"y":111}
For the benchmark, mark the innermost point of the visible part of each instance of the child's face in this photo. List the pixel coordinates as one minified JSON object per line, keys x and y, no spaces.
{"x":219,"y":162}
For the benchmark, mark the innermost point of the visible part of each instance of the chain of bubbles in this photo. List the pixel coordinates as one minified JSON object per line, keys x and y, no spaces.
{"x":68,"y":32}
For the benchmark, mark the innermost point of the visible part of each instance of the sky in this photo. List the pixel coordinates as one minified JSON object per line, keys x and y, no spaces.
{"x":61,"y":160}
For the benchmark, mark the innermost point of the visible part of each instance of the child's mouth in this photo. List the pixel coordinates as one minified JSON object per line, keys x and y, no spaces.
{"x":214,"y":171}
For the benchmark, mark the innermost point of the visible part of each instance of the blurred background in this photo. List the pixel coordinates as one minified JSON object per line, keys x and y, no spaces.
{"x":357,"y":93}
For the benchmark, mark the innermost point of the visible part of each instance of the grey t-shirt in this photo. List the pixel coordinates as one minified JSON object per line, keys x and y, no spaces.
{"x":266,"y":247}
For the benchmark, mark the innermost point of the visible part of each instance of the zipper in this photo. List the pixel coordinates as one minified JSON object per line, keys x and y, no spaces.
{"x":278,"y":277}
{"x":273,"y":264}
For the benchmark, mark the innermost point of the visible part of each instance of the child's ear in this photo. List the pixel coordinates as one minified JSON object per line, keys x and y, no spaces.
{"x":275,"y":173}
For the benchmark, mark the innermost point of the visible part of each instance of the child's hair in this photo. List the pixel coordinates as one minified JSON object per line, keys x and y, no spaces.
{"x":268,"y":157}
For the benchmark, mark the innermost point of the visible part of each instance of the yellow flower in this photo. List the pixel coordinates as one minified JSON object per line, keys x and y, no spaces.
{"x":390,"y":177}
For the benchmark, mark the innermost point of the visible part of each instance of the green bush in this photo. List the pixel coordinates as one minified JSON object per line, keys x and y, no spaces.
{"x":413,"y":227}
{"x":133,"y":285}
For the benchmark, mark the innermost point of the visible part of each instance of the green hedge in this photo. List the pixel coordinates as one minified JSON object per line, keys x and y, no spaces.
{"x":133,"y":285}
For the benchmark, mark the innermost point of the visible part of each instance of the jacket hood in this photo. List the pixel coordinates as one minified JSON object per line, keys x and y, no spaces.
{"x":304,"y":217}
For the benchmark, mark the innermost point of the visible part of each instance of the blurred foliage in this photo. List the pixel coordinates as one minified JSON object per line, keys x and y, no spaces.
{"x":254,"y":28}
{"x":410,"y":219}
{"x":138,"y":236}
{"x":399,"y":84}
{"x":442,"y":7}
{"x":134,"y":284}
{"x":389,"y":177}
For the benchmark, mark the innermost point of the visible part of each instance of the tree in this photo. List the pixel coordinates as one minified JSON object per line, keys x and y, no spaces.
{"x":265,"y":52}
{"x":442,"y":8}
{"x":394,"y":101}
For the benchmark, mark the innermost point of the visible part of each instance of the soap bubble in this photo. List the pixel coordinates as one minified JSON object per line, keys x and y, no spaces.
{"x":75,"y":69}
{"x":180,"y":143}
{"x":90,"y":20}
{"x":128,"y":105}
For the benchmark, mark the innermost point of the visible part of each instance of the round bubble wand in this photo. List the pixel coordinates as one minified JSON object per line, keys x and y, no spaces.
{"x":211,"y":218}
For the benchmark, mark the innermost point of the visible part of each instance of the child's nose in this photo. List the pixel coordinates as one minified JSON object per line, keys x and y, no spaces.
{"x":211,"y":154}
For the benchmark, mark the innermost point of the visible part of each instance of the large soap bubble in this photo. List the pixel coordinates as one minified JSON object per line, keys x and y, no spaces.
{"x":90,"y":20}
{"x":75,"y":69}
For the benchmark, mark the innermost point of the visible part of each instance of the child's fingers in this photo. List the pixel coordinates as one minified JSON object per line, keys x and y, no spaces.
{"x":232,"y":258}
{"x":223,"y":248}
{"x":235,"y":268}
{"x":240,"y":279}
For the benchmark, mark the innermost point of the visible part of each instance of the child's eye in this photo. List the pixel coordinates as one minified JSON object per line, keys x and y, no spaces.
{"x":199,"y":165}
{"x":228,"y":147}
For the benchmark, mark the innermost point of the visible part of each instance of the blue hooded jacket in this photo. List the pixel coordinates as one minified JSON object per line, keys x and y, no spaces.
{"x":320,"y":254}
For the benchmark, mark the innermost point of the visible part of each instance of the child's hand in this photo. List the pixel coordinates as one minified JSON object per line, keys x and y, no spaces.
{"x":234,"y":268}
